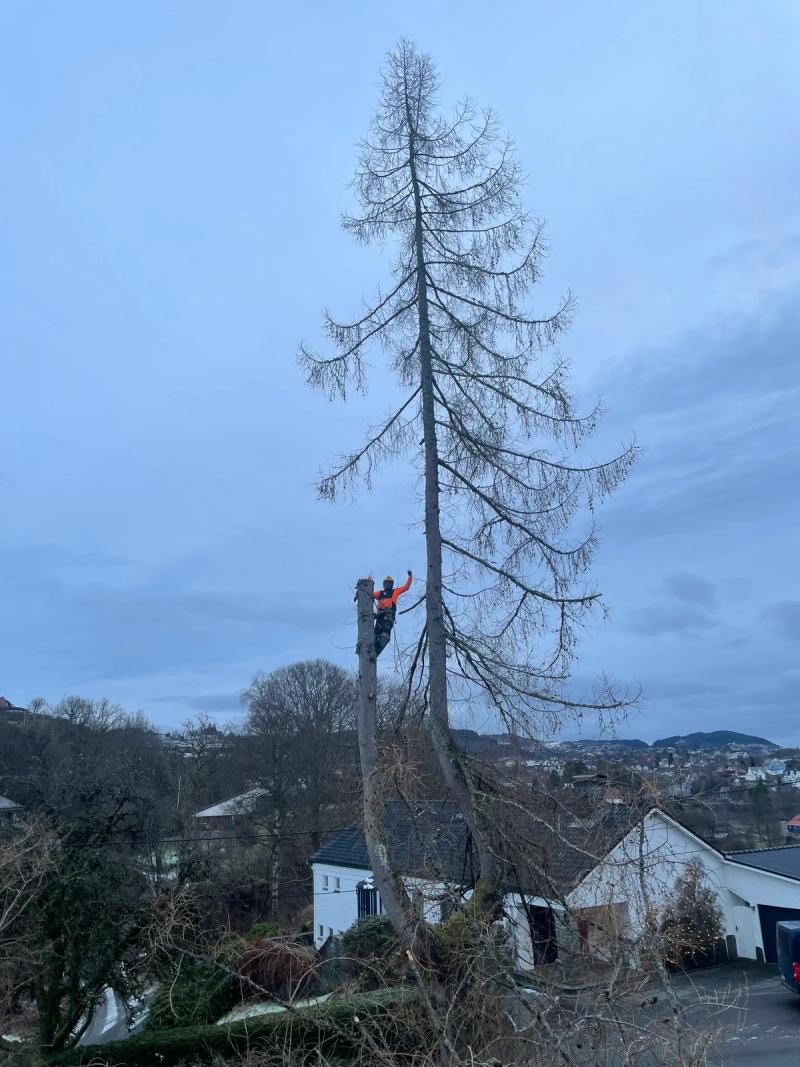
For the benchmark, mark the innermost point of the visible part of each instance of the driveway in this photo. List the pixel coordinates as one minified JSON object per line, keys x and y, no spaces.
{"x":759,"y":1018}
{"x":754,"y":1019}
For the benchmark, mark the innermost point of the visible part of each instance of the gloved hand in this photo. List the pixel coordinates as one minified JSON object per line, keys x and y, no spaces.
{"x":409,"y":574}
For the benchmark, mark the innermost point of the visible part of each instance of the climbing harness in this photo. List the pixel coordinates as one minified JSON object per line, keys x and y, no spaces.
{"x":387,"y":610}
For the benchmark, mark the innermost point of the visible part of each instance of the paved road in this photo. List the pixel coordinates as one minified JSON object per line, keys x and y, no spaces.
{"x":109,"y":1022}
{"x":759,"y":1018}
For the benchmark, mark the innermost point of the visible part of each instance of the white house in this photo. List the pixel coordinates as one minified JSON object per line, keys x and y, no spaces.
{"x":429,"y":841}
{"x":754,"y":888}
{"x":587,"y":887}
{"x":755,"y":774}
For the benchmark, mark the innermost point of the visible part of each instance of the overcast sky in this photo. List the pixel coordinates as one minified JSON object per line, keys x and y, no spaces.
{"x":171,"y":180}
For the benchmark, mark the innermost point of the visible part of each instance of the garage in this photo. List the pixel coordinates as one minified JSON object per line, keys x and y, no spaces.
{"x":768,"y":916}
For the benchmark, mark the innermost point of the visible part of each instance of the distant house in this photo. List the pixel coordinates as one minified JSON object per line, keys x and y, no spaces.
{"x":9,"y":808}
{"x":6,"y":705}
{"x":230,"y":812}
{"x":755,"y":774}
{"x":613,"y":795}
{"x":597,"y":877}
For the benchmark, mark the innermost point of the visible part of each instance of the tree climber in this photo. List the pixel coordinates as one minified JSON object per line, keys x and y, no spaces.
{"x":387,"y":610}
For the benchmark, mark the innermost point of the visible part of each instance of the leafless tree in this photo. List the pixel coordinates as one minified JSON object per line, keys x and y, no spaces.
{"x":487,"y":417}
{"x":25,"y":859}
{"x":300,"y":731}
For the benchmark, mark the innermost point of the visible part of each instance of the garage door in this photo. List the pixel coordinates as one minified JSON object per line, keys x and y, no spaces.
{"x":769,"y":916}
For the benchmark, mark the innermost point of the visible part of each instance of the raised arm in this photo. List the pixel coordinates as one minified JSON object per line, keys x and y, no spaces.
{"x":406,"y":585}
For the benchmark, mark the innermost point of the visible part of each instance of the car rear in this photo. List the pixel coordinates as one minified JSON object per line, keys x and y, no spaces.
{"x":788,"y":940}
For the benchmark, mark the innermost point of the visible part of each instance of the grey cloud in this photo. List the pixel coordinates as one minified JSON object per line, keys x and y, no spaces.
{"x":215,"y":703}
{"x":659,"y":619}
{"x":716,"y":415}
{"x":123,"y":633}
{"x":686,"y":603}
{"x":785,"y":618}
{"x":212,"y":703}
{"x":684,"y":690}
{"x":172,"y":618}
{"x":691,"y":588}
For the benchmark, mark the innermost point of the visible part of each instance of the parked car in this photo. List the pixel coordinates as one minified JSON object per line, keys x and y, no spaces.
{"x":788,"y":938}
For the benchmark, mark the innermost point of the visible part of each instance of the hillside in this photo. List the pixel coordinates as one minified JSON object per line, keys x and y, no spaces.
{"x":713,"y":739}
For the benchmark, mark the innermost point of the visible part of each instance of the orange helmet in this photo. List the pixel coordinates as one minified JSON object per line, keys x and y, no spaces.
{"x":388,"y":578}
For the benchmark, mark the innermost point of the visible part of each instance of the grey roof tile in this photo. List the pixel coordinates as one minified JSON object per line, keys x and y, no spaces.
{"x":430,"y":841}
{"x":785,"y":859}
{"x":434,"y":841}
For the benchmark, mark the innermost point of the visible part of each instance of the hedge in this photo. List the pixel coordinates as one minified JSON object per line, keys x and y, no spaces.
{"x":330,"y":1027}
{"x":198,"y":995}
{"x":372,"y":937}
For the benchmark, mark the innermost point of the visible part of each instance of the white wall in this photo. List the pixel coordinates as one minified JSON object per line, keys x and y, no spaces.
{"x":335,"y":911}
{"x":516,"y":923}
{"x":431,"y":893}
{"x":666,"y":849}
{"x":643,"y":869}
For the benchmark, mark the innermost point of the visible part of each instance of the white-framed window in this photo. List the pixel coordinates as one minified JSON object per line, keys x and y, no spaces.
{"x":337,"y":885}
{"x":324,"y":883}
{"x":321,"y":931}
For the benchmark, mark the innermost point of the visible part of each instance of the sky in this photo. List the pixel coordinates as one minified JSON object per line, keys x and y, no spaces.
{"x":172,"y":177}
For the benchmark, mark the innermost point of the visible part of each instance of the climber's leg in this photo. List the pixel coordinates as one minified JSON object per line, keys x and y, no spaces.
{"x":383,"y":631}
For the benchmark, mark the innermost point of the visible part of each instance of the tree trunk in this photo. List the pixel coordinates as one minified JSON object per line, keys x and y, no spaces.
{"x":439,"y":719}
{"x":275,"y":869}
{"x":388,"y":883}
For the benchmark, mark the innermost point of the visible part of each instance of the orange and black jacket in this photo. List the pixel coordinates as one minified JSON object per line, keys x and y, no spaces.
{"x":389,"y":603}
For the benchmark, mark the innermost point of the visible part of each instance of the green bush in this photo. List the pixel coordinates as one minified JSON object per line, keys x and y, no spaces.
{"x":266,"y":929}
{"x":198,"y":994}
{"x":370,"y":938}
{"x":329,"y":1028}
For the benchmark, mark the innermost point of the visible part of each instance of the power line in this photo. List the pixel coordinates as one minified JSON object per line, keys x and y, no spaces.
{"x":253,"y":837}
{"x":210,"y":840}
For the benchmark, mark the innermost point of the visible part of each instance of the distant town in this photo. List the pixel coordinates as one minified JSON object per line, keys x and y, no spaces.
{"x":739,"y":790}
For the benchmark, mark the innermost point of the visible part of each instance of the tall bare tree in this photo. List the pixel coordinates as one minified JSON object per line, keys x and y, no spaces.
{"x":487,"y":415}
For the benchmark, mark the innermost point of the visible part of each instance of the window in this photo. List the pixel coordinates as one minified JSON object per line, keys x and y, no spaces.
{"x":321,"y":931}
{"x":324,"y":883}
{"x":369,"y":902}
{"x":337,"y":885}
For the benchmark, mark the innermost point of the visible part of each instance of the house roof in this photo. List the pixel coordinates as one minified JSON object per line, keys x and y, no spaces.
{"x":242,"y":804}
{"x":8,"y":805}
{"x":432,"y":840}
{"x":784,"y":860}
{"x":556,"y":859}
{"x":6,"y":705}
